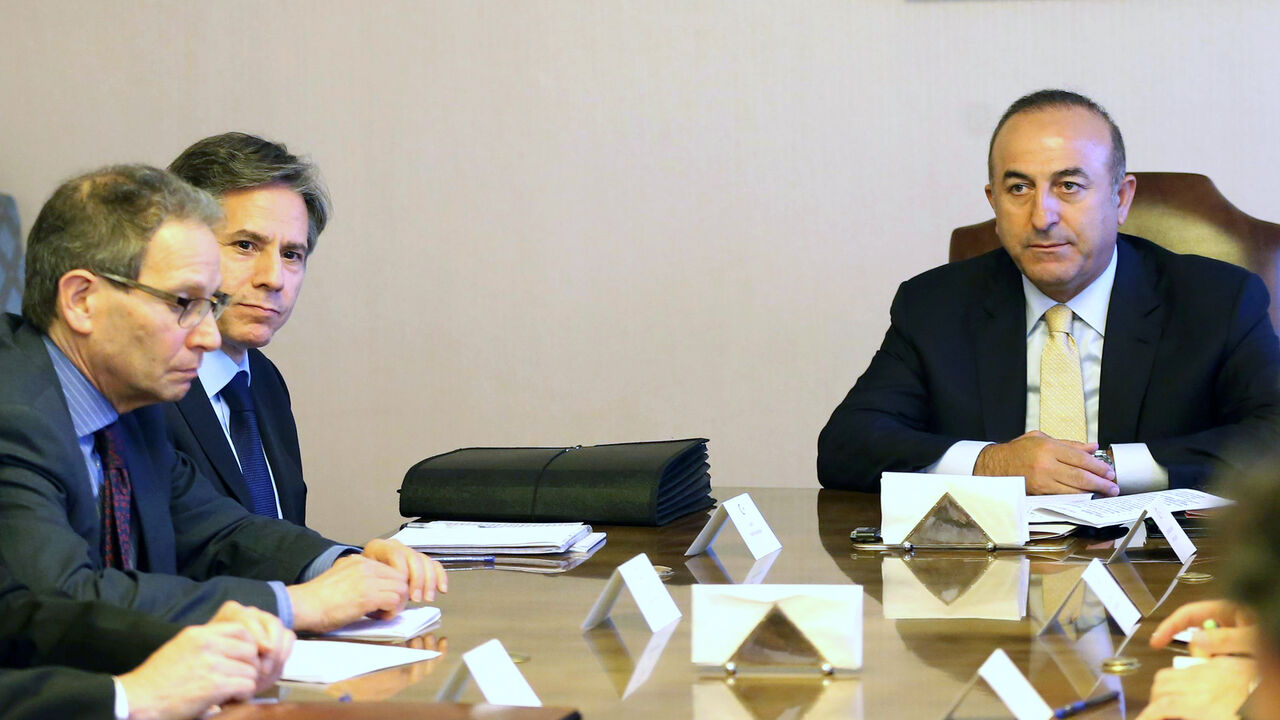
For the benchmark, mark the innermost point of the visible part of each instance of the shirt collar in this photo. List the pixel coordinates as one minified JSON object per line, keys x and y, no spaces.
{"x":217,"y":368}
{"x":1090,"y":304}
{"x":90,"y":409}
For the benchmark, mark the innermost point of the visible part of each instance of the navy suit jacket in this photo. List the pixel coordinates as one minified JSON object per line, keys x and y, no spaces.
{"x":43,"y":639}
{"x":196,"y":548}
{"x":196,"y":432}
{"x":1189,"y":367}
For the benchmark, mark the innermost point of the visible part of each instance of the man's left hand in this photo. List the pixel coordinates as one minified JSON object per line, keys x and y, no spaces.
{"x":426,"y":576}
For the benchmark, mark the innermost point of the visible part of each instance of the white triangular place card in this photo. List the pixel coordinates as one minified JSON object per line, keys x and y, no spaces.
{"x":742,"y":512}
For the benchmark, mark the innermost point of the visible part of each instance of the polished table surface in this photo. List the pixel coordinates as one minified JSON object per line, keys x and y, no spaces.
{"x":913,"y":668}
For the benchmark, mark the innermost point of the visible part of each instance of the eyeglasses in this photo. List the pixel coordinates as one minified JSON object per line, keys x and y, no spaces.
{"x":193,"y":309}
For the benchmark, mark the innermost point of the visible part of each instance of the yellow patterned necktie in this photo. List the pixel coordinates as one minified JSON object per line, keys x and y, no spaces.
{"x":1061,"y":389}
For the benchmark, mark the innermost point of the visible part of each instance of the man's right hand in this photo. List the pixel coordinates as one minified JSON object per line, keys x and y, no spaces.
{"x":354,"y":587}
{"x":1050,"y":466}
{"x":200,"y":667}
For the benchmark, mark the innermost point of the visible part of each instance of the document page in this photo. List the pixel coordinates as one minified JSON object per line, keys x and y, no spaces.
{"x":410,"y":623}
{"x":485,"y":537}
{"x":1126,"y":508}
{"x":324,"y":661}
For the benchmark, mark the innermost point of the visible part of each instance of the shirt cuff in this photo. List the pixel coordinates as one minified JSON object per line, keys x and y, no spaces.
{"x":122,"y":701}
{"x":1136,"y":470}
{"x":325,"y":560}
{"x":284,"y":606}
{"x":959,"y":459}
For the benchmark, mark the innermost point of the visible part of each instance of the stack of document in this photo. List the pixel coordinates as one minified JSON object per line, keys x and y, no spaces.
{"x":454,"y":537}
{"x":410,"y":623}
{"x":1104,"y":512}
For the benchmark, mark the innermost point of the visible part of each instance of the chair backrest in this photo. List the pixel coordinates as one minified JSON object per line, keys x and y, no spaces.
{"x":1185,"y":213}
{"x":11,"y":257}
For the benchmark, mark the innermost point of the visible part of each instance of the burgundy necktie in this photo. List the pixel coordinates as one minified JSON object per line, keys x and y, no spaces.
{"x":116,"y":495}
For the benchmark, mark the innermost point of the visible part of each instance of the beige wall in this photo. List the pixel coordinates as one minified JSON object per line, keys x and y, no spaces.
{"x":595,"y":221}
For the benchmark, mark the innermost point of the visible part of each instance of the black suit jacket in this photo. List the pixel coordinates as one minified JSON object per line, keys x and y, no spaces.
{"x":196,"y":432}
{"x":1189,"y":367}
{"x":43,"y":639}
{"x":196,"y":548}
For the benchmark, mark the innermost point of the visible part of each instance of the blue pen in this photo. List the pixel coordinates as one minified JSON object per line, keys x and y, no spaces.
{"x":1080,"y":706}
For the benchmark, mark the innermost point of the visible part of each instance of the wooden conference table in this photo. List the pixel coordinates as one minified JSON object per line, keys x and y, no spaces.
{"x":914,"y":666}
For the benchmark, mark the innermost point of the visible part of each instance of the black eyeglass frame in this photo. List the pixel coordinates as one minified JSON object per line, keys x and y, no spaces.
{"x":193,"y":309}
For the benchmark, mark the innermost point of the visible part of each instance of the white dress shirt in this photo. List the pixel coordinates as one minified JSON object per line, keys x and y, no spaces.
{"x":1136,"y":470}
{"x":216,"y":370}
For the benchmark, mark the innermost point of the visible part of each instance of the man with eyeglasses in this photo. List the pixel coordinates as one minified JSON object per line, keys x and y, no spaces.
{"x":237,"y":423}
{"x":122,"y":293}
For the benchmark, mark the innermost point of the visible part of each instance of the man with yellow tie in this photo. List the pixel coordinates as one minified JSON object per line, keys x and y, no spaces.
{"x":996,"y":365}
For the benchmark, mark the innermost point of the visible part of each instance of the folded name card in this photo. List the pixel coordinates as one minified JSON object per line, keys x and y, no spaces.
{"x":821,"y":624}
{"x":651,"y":596}
{"x":994,"y":504}
{"x":742,"y":513}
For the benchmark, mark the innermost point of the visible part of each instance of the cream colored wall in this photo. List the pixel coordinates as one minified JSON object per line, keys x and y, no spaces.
{"x":595,"y":221}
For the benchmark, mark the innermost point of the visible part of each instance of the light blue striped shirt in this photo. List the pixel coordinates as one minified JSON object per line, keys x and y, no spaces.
{"x":91,"y":411}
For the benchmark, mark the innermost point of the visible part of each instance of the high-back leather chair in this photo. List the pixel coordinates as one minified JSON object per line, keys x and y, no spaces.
{"x":11,"y":257}
{"x":1185,"y":213}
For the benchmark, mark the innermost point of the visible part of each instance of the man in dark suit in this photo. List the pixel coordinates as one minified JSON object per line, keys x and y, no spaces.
{"x":274,"y":210}
{"x":121,"y":296}
{"x":995,"y":365}
{"x":58,"y":658}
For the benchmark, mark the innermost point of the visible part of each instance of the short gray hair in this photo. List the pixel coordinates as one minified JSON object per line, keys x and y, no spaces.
{"x":240,"y":161}
{"x":102,"y":222}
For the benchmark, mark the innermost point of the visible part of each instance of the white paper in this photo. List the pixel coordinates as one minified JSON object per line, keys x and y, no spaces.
{"x":327,"y":661}
{"x":1173,"y":532}
{"x":1136,"y":537}
{"x":587,"y":543}
{"x":637,"y":574}
{"x":1182,"y":662}
{"x":995,"y":503}
{"x":1126,"y":508}
{"x":1035,"y":503}
{"x":1012,"y":687}
{"x":451,"y":536}
{"x":1122,"y":609}
{"x":498,"y":677}
{"x":746,"y":519}
{"x":829,"y":616}
{"x":408,"y":624}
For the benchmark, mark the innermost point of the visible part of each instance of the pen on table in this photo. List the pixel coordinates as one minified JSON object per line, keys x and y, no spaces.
{"x":1080,"y":706}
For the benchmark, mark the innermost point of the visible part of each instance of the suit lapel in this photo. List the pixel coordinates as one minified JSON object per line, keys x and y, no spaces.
{"x":50,"y":403}
{"x":1000,"y":335}
{"x":1134,"y":319}
{"x":197,"y":411}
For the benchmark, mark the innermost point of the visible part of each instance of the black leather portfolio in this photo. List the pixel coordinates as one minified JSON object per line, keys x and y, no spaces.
{"x":645,"y":483}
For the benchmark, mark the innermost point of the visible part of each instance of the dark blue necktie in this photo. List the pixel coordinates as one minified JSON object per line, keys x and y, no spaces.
{"x":248,"y":444}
